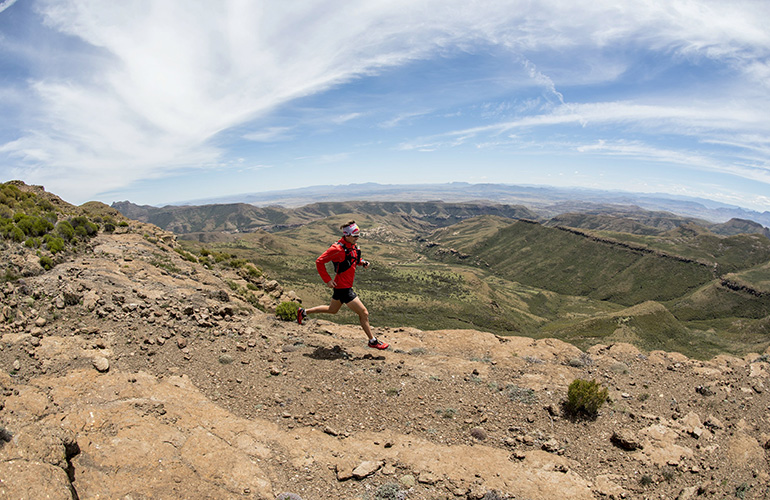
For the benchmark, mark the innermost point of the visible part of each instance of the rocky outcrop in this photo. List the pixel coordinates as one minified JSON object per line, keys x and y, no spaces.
{"x":130,"y":372}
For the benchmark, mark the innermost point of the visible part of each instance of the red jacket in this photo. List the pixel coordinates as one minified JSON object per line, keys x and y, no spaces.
{"x":336,"y":253}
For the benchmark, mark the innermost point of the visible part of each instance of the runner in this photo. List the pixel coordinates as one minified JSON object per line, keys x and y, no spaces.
{"x":346,"y":256}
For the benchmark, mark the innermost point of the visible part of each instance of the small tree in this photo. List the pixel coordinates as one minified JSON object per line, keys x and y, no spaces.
{"x":584,"y":398}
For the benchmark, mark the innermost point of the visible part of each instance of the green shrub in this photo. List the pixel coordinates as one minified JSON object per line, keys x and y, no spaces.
{"x":15,"y":234}
{"x":584,"y":398}
{"x":54,"y":245}
{"x":237,"y":263}
{"x":46,"y":262}
{"x":31,"y":225}
{"x":186,"y":255}
{"x":287,"y":311}
{"x":251,"y":271}
{"x":83,"y":227}
{"x":65,"y":230}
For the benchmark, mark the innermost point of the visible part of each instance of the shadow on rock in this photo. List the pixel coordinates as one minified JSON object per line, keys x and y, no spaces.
{"x":325,"y":353}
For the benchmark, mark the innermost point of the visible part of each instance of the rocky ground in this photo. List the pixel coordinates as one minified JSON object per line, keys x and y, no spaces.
{"x":129,"y":372}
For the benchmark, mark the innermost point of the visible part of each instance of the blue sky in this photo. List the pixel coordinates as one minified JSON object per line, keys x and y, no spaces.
{"x":163,"y":101}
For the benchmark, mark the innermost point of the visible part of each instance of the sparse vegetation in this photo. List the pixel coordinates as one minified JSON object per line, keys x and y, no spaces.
{"x":287,"y":311}
{"x":521,"y":278}
{"x":741,"y":490}
{"x":46,"y":262}
{"x":585,"y":398}
{"x":31,"y":219}
{"x":432,"y":404}
{"x":389,"y":491}
{"x":164,"y":262}
{"x":288,"y":496}
{"x":186,"y":255}
{"x":521,"y":394}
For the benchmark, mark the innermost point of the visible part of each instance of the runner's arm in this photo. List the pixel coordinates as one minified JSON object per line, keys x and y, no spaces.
{"x":328,"y":256}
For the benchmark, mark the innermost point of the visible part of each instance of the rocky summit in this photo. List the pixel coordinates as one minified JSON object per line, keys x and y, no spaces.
{"x":130,"y":372}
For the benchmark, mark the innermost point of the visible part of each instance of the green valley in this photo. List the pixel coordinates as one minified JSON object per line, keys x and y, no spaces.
{"x":668,"y":283}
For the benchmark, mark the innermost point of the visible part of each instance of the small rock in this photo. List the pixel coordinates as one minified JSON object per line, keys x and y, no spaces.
{"x":181,"y":342}
{"x":408,"y":480}
{"x":714,"y":423}
{"x":101,"y":364}
{"x":16,"y":365}
{"x":688,"y":493}
{"x":427,"y":478}
{"x":625,"y":440}
{"x":90,"y":300}
{"x":551,"y":446}
{"x":478,"y":433}
{"x":479,"y":492}
{"x":366,"y":469}
{"x":344,"y":473}
{"x":40,"y":322}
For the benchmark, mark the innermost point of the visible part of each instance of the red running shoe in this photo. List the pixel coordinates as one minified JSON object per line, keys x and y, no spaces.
{"x":376,"y":344}
{"x":301,"y":315}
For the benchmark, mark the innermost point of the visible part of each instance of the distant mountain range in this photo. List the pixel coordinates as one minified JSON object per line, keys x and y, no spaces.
{"x":546,"y":201}
{"x":247,"y":218}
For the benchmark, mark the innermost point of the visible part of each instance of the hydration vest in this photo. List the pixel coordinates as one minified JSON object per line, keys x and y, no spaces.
{"x":350,"y":259}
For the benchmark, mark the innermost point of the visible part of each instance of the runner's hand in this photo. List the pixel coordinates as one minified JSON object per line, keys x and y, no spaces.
{"x":365,"y":264}
{"x":331,"y":284}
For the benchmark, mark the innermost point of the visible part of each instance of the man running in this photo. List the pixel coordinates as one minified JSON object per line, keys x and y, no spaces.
{"x":346,"y":256}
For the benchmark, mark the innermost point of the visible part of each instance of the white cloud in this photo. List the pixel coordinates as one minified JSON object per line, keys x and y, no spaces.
{"x":161,"y":79}
{"x":270,"y":134}
{"x":5,"y":4}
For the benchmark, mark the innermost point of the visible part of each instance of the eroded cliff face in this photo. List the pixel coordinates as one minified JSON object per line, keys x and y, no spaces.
{"x":129,"y":372}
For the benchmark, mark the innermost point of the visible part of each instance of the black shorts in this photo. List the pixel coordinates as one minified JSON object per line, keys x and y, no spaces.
{"x":344,"y":295}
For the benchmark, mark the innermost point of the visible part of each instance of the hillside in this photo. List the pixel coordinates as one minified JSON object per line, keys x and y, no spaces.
{"x":548,"y":201}
{"x":633,"y":220}
{"x":131,"y":369}
{"x":504,"y":273}
{"x":241,"y":217}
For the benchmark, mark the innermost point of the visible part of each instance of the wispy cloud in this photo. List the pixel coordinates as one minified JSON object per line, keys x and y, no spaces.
{"x":149,"y":86}
{"x":5,"y":4}
{"x":724,"y":124}
{"x":270,"y":134}
{"x":339,"y":120}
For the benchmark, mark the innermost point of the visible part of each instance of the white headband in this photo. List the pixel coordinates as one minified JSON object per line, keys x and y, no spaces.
{"x":351,"y":230}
